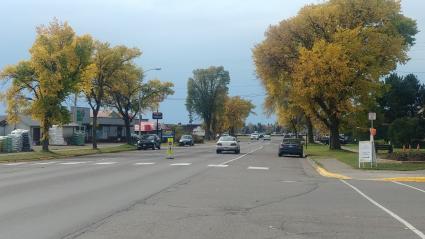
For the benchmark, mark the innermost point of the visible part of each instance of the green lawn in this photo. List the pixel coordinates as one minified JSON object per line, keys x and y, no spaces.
{"x":317,"y":151}
{"x":37,"y":155}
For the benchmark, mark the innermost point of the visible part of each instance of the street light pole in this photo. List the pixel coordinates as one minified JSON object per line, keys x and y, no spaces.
{"x":139,"y":100}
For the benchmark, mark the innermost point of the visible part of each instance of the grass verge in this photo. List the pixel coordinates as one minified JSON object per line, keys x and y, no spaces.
{"x":39,"y":155}
{"x":317,"y":152}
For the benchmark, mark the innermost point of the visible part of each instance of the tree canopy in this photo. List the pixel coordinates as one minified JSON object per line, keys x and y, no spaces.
{"x":329,"y":58}
{"x":59,"y":60}
{"x":206,"y":94}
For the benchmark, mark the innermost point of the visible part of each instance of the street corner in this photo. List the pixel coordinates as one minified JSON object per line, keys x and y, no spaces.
{"x":325,"y":173}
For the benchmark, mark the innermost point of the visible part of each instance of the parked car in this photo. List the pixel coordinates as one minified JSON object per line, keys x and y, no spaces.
{"x":254,"y":136}
{"x":267,"y":137}
{"x":291,"y":147}
{"x":149,"y":141}
{"x":228,"y":143}
{"x":186,"y":140}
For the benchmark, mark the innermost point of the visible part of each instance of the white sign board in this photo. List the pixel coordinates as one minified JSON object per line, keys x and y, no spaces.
{"x":372,"y":116}
{"x":365,"y":152}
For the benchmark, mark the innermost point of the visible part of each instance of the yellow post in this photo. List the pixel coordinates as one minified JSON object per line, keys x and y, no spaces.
{"x":170,"y":148}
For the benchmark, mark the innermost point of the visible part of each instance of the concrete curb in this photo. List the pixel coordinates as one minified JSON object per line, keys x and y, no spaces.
{"x":403,"y":179}
{"x":326,"y":173}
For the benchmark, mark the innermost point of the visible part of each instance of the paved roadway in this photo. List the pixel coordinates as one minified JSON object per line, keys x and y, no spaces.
{"x":200,"y":194}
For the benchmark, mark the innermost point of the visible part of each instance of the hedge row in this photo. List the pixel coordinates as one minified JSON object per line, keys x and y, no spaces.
{"x":408,"y":156}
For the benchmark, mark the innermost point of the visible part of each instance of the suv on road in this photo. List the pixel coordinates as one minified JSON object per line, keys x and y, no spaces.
{"x":149,"y":141}
{"x":291,"y":146}
{"x":186,"y":140}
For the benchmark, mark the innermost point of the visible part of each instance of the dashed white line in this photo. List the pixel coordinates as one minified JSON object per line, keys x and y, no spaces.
{"x":243,"y":155}
{"x":259,"y":168}
{"x":398,"y":218}
{"x":14,"y":164}
{"x":73,"y":163}
{"x":105,"y":163}
{"x":148,"y":163}
{"x":180,"y":164}
{"x":407,"y":185}
{"x":218,"y":165}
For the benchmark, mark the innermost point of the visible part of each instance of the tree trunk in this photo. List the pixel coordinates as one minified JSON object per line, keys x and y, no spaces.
{"x":334,"y":136}
{"x":310,"y":135}
{"x":127,"y":130}
{"x":208,"y":129}
{"x":45,"y":135}
{"x":93,"y":133}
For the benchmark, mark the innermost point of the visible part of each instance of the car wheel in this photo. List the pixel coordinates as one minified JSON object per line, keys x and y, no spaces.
{"x":238,"y":151}
{"x":153,"y":147}
{"x":218,"y":152}
{"x":280,"y":155}
{"x":159,"y":146}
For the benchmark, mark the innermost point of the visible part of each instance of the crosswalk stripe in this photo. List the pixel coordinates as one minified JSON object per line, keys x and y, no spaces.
{"x":72,"y":163}
{"x":180,"y":164}
{"x":218,"y":165}
{"x":105,"y":163}
{"x":260,"y":168}
{"x":14,"y":164}
{"x":148,"y":163}
{"x":44,"y":163}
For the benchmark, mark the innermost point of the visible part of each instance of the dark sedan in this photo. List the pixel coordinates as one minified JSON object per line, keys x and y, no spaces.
{"x":186,"y":140}
{"x":291,"y":147}
{"x":149,"y":141}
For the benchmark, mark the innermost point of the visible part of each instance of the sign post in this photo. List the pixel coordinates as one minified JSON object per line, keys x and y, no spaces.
{"x":170,"y":152}
{"x":372,"y":117}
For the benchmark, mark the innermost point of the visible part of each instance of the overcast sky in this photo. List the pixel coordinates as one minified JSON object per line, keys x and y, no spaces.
{"x":177,"y":36}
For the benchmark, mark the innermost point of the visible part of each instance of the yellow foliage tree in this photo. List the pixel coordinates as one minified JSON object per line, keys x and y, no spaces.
{"x":59,"y":60}
{"x":236,"y":110}
{"x":329,"y":57}
{"x":105,"y":62}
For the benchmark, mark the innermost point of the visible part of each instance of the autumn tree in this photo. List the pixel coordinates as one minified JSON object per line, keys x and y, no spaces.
{"x":331,"y":56}
{"x":58,"y":62}
{"x":236,"y":110}
{"x":206,"y":93}
{"x":106,"y":61}
{"x":124,"y":91}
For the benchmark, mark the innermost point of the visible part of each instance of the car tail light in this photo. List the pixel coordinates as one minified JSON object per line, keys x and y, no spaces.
{"x":219,"y":144}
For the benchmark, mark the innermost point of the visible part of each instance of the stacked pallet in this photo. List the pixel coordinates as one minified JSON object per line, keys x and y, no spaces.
{"x":22,"y":140}
{"x":6,"y":144}
{"x":56,"y":136}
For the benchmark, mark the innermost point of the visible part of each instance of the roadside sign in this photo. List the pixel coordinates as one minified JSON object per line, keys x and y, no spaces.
{"x":156,"y":115}
{"x":372,"y":116}
{"x":365,"y":152}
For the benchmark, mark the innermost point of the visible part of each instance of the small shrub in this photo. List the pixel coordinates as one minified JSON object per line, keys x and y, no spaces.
{"x":408,"y":156}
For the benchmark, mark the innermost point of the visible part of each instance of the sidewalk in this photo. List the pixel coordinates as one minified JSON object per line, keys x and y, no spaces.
{"x":335,"y":166}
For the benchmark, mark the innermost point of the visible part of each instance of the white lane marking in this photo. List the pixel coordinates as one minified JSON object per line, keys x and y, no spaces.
{"x":72,"y":163}
{"x":44,"y":163}
{"x":243,"y":155}
{"x":259,"y":168}
{"x":288,"y":181}
{"x":14,"y":164}
{"x":180,"y":164}
{"x":148,"y":163}
{"x":407,"y":185}
{"x":105,"y":163}
{"x":218,"y":165}
{"x":398,"y":218}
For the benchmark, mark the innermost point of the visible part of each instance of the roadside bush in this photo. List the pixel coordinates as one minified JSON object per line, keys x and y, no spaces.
{"x":408,"y":156}
{"x":198,"y":139}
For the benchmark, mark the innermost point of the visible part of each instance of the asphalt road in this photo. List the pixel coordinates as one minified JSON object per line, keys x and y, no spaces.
{"x":200,"y":194}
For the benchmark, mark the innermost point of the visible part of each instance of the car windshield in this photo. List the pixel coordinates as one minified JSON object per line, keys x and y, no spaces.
{"x":186,"y":137}
{"x":227,"y":138}
{"x":149,"y":137}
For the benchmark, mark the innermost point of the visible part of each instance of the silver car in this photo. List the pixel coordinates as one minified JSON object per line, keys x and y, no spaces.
{"x":228,"y":143}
